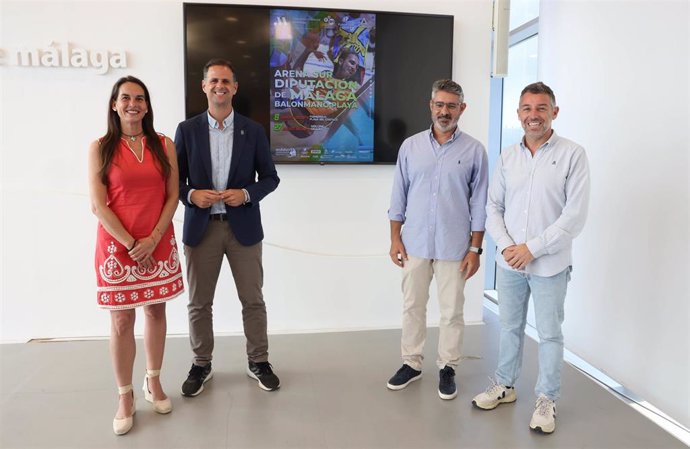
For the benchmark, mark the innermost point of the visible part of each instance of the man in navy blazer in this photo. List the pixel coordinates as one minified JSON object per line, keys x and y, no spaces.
{"x":225,"y":169}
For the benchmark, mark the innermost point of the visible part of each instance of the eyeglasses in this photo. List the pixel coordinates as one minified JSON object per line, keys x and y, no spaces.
{"x":440,"y":105}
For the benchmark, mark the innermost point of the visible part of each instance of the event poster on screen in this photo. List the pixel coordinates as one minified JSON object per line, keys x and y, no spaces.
{"x":322,"y":86}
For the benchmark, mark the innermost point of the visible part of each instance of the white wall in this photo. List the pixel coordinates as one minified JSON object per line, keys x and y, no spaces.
{"x":620,"y":71}
{"x":620,"y":74}
{"x":326,"y":246}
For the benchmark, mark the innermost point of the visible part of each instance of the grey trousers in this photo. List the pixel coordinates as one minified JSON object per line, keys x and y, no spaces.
{"x":203,"y":268}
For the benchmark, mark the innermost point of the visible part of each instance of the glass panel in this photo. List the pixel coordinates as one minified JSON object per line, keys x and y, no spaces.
{"x":504,"y":126}
{"x":522,"y":11}
{"x":522,"y":70}
{"x":494,"y":150}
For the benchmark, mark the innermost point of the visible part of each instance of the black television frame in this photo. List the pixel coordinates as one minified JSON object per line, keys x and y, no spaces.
{"x":403,"y":82}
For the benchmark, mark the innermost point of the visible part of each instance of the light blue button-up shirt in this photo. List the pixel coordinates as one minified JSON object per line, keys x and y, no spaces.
{"x":220,"y":141}
{"x":439,"y":193}
{"x":539,"y":200}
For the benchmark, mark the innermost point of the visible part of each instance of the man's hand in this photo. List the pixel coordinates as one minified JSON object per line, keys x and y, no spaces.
{"x":398,"y":253}
{"x":233,"y":197}
{"x":205,"y":198}
{"x":469,"y":265}
{"x":518,"y":256}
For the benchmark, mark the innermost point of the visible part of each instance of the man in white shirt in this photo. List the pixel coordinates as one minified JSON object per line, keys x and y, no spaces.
{"x":537,"y":205}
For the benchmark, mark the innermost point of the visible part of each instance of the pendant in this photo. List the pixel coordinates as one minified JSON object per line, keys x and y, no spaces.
{"x":133,"y":138}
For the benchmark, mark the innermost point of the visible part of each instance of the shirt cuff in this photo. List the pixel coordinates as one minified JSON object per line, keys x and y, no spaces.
{"x":189,"y":197}
{"x":247,"y":198}
{"x":536,"y":247}
{"x":396,"y":217}
{"x":502,"y":244}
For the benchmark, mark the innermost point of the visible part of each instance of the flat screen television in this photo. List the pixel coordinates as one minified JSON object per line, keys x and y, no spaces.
{"x":329,"y":86}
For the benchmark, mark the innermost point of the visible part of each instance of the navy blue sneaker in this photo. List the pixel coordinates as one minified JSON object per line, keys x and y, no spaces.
{"x":446,"y":383}
{"x":405,"y":375}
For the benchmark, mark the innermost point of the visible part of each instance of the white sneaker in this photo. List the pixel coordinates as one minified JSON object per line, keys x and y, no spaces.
{"x":544,"y":416}
{"x":495,"y":394}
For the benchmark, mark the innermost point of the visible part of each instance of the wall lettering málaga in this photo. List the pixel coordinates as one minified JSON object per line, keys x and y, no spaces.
{"x":57,"y":54}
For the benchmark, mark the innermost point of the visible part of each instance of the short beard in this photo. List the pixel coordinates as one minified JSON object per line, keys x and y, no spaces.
{"x":451,"y":126}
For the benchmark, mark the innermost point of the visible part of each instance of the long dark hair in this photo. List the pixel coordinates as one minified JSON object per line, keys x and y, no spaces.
{"x":110,"y":141}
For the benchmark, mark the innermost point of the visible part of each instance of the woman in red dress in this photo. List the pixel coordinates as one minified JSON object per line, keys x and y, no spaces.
{"x":133,"y":183}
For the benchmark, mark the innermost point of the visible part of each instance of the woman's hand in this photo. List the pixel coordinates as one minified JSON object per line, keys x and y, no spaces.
{"x":143,"y":249}
{"x":147,"y":264}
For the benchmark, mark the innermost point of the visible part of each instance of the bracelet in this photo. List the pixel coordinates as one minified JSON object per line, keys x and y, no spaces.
{"x":133,"y":245}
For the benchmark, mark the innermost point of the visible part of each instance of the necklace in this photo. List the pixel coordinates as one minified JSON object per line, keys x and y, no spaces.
{"x":133,"y":138}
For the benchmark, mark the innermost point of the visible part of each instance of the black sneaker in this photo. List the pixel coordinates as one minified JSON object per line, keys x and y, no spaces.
{"x":196,"y":379}
{"x":446,"y":383}
{"x":263,"y":373}
{"x":405,"y":375}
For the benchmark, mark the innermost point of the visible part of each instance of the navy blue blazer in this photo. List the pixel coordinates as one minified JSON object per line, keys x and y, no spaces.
{"x":251,"y":168}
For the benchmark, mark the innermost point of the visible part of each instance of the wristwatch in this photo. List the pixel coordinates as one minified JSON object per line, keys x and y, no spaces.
{"x":474,"y":249}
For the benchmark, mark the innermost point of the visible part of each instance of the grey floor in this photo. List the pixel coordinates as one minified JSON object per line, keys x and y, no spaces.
{"x":61,"y":395}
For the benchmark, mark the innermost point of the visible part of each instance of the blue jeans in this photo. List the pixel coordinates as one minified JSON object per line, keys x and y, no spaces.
{"x":548,"y":294}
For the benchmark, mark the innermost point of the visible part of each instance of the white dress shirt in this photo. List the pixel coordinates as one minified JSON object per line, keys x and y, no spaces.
{"x":539,"y":200}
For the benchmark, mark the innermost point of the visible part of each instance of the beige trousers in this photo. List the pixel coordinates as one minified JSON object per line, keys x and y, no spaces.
{"x":417,"y":275}
{"x":203,"y":267}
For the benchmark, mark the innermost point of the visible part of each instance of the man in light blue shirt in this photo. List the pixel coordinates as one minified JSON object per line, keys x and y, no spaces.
{"x":537,"y":205}
{"x":437,"y":217}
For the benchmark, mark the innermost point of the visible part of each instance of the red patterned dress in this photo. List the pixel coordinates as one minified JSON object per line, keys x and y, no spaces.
{"x":136,"y":194}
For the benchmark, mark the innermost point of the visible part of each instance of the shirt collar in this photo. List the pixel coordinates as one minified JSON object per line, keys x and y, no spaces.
{"x":456,"y":134}
{"x":545,"y":146}
{"x":227,"y":123}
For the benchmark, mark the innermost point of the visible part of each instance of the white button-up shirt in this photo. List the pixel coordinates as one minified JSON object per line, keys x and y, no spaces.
{"x":539,"y":200}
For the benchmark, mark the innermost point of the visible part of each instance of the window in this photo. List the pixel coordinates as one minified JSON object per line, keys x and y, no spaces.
{"x":523,"y":11}
{"x":504,"y":128}
{"x":522,"y":69}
